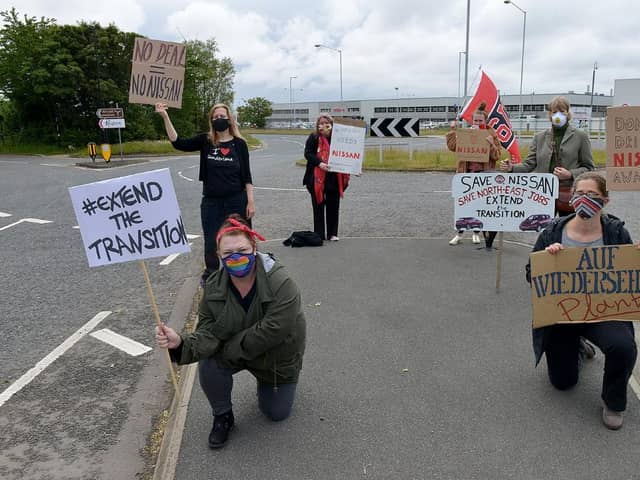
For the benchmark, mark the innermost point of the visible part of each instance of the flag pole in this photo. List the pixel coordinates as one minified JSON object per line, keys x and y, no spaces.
{"x":158,"y":322}
{"x":499,"y":261}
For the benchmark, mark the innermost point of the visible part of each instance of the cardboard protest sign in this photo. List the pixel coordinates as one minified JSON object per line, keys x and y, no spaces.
{"x":472,"y":145}
{"x":504,"y":202}
{"x":157,"y":72}
{"x":129,"y":218}
{"x":347,"y":146}
{"x":623,"y":148}
{"x":592,"y":284}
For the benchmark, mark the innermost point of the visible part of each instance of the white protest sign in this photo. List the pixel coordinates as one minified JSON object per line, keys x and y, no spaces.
{"x":347,"y":148}
{"x":504,"y":202}
{"x":129,"y":218}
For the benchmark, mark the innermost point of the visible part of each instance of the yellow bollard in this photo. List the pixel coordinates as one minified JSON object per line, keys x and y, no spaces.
{"x":91,"y":148}
{"x":106,"y":152}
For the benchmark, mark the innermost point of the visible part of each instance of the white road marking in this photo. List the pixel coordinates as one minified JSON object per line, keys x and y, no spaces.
{"x":2,"y":214}
{"x":25,"y":379}
{"x":291,"y":141}
{"x":52,"y":165}
{"x":171,"y":258}
{"x":121,"y":342}
{"x":76,"y":227}
{"x":28,"y":220}
{"x":281,"y":189}
{"x":192,"y":237}
{"x":634,"y":386}
{"x":188,"y":179}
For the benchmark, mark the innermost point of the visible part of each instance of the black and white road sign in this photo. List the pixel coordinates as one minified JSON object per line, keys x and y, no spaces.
{"x":110,"y":113}
{"x":395,"y":127}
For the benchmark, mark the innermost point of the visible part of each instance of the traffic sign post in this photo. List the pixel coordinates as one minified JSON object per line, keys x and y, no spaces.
{"x":110,"y":113}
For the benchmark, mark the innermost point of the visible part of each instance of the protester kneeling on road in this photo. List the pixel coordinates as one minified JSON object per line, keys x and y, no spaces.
{"x":250,"y":318}
{"x":588,"y":227}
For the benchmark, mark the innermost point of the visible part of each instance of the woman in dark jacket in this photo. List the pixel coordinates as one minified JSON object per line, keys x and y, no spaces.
{"x":250,"y":318}
{"x":588,"y":227}
{"x":224,"y":172}
{"x":326,"y":187}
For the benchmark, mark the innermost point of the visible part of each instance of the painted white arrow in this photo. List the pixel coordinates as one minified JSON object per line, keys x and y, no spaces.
{"x":2,"y":214}
{"x":121,"y":342}
{"x":27,"y":220}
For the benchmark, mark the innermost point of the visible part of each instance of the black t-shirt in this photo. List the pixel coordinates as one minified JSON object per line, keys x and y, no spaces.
{"x":224,"y":176}
{"x":224,"y":169}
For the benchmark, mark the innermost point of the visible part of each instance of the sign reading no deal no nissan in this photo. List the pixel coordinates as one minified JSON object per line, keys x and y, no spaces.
{"x":504,"y":202}
{"x":157,"y":72}
{"x":129,"y":218}
{"x":623,"y":148}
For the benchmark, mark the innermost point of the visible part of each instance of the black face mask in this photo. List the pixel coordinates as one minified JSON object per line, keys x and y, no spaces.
{"x":221,"y":124}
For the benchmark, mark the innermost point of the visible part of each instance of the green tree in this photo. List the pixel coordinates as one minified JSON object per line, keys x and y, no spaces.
{"x":255,"y":112}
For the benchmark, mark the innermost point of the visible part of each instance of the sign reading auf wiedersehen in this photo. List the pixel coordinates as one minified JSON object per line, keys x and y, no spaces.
{"x":346,"y":152}
{"x":623,"y":148}
{"x":157,"y":72}
{"x":593,"y":284}
{"x":472,"y":145}
{"x":129,"y":218}
{"x":504,"y":202}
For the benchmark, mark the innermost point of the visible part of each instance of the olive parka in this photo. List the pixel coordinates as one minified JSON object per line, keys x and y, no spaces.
{"x":268,"y":340}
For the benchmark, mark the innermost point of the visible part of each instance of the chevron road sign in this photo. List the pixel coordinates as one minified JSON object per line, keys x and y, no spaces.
{"x":395,"y":127}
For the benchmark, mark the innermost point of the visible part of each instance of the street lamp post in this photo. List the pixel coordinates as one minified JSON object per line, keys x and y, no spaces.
{"x":319,"y":45}
{"x":459,"y":72}
{"x":291,"y":101}
{"x":593,"y":84}
{"x":524,"y":29}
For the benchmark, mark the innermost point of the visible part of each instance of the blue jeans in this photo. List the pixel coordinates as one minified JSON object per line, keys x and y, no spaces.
{"x":213,"y":211}
{"x":217,"y":383}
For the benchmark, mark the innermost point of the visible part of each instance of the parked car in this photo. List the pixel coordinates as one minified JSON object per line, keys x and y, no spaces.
{"x":468,"y":223}
{"x":535,"y":223}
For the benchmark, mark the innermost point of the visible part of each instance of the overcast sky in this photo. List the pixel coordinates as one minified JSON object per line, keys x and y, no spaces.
{"x":409,"y":45}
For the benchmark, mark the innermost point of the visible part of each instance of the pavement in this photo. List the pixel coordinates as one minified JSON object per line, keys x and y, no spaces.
{"x":416,"y":367}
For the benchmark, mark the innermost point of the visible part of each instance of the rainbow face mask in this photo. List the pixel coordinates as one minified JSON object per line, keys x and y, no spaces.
{"x":239,"y":264}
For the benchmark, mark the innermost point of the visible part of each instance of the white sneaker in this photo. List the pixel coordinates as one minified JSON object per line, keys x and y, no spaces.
{"x":334,"y":238}
{"x":455,"y":240}
{"x":475,"y":238}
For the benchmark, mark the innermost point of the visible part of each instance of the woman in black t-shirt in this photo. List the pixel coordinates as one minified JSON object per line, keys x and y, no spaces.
{"x":224,"y":172}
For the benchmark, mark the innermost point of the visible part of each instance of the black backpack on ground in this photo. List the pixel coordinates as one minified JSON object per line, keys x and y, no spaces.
{"x":303,"y":238}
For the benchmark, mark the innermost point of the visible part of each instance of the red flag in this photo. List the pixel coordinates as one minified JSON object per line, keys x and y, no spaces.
{"x":497,"y":115}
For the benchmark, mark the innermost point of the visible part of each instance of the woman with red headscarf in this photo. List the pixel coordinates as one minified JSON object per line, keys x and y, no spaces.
{"x":326,"y":187}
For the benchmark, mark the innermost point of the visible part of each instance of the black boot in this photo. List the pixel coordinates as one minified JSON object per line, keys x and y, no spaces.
{"x":222,"y":425}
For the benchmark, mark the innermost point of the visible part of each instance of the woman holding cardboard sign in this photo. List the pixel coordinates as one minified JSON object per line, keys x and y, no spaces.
{"x":224,"y":172}
{"x":326,"y":187}
{"x":588,"y":227}
{"x":480,"y":122}
{"x":562,"y":150}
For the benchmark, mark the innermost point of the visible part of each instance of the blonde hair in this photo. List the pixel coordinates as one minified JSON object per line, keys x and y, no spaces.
{"x":327,"y":117}
{"x":559,"y":104}
{"x":233,"y":125}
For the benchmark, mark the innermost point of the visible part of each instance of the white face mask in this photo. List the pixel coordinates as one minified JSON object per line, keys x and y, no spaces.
{"x":558,"y":119}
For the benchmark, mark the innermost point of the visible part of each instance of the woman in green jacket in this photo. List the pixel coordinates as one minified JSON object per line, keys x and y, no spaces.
{"x":250,"y":318}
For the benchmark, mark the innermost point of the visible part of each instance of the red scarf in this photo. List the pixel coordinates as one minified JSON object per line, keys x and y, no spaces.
{"x":320,"y":175}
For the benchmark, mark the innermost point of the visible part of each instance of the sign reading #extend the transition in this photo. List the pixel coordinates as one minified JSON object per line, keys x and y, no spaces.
{"x":347,"y":146}
{"x":504,"y":202}
{"x":578,"y":285}
{"x":157,"y":72}
{"x":129,"y":218}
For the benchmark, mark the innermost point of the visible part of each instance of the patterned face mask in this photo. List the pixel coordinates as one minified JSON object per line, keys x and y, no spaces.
{"x":585,"y":206}
{"x":239,"y":264}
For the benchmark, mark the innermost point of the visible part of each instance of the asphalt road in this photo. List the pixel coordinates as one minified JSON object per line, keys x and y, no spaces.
{"x":88,"y":414}
{"x":415,"y":367}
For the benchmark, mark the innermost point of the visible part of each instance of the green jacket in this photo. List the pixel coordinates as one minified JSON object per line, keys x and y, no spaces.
{"x":268,"y":340}
{"x":575,"y":154}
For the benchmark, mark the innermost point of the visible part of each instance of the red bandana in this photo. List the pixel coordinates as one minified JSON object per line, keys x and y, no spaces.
{"x":237,"y":226}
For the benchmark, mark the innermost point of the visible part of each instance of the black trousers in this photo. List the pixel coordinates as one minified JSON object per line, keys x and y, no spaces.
{"x":213,"y":211}
{"x":332,"y":206}
{"x":615,"y":339}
